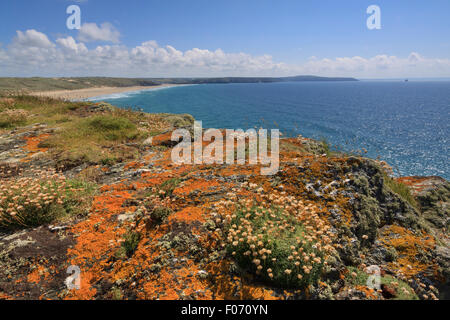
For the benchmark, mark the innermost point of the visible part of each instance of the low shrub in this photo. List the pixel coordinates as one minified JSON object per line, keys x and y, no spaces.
{"x":157,"y":209}
{"x":41,"y":198}
{"x":160,"y":214}
{"x":275,"y":246}
{"x":13,"y":117}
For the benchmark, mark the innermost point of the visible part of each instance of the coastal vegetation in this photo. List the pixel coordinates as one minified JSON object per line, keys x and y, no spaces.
{"x":42,"y":197}
{"x":276,"y":245}
{"x":91,"y":185}
{"x":80,"y":137}
{"x":401,"y":189}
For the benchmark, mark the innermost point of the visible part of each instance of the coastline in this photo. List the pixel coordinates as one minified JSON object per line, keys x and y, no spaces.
{"x":86,"y":93}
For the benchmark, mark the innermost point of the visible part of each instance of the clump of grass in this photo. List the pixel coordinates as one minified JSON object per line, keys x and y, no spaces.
{"x":166,"y":188}
{"x":108,"y":127}
{"x":131,"y":242}
{"x":116,"y":293}
{"x":78,"y":196}
{"x":326,"y":146}
{"x":401,"y":189}
{"x":275,"y":246}
{"x":42,"y":198}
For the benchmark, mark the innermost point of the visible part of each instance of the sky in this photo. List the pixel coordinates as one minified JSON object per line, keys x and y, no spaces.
{"x":197,"y":38}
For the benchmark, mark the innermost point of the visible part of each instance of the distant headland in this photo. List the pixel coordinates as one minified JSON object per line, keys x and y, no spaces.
{"x":35,"y":84}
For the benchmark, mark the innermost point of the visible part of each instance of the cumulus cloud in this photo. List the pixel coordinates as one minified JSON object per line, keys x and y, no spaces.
{"x":32,"y":38}
{"x":379,"y":66}
{"x":70,"y":45}
{"x":32,"y":53}
{"x":90,"y":32}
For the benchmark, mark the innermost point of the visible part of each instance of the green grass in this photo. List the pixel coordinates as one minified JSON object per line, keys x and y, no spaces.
{"x":131,"y":242}
{"x":401,"y":189}
{"x":168,"y":186}
{"x":326,"y":146}
{"x":94,"y":140}
{"x":78,"y":202}
{"x":101,"y":135}
{"x":109,"y":128}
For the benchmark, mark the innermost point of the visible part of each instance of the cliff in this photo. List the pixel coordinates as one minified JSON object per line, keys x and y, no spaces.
{"x":94,"y":186}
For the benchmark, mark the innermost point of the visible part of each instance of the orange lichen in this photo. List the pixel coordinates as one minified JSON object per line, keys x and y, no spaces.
{"x":133,"y":165}
{"x":161,"y":139}
{"x":408,"y":245}
{"x":188,"y":214}
{"x":196,"y":185}
{"x":370,"y":293}
{"x":97,"y":238}
{"x":40,"y":273}
{"x":32,"y":143}
{"x":417,"y":184}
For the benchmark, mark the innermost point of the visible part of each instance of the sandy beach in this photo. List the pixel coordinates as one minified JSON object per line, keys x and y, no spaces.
{"x":95,"y":92}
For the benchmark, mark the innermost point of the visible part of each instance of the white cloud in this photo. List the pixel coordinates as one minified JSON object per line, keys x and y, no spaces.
{"x":70,"y":45}
{"x":90,"y":32}
{"x":379,"y":66}
{"x":32,"y":38}
{"x":32,"y":53}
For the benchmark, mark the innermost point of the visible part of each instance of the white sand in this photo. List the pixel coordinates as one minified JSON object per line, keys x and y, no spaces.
{"x":80,"y":94}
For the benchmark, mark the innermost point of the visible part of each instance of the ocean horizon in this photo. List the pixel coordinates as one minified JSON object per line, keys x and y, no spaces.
{"x":404,"y":123}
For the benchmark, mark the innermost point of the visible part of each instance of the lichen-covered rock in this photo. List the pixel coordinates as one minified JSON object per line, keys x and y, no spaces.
{"x":155,"y":230}
{"x":178,"y":120}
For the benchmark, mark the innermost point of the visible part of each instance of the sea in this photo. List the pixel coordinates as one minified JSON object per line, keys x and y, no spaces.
{"x":405,"y":123}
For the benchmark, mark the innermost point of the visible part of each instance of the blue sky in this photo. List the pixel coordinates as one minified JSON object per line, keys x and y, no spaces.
{"x":299,"y":36}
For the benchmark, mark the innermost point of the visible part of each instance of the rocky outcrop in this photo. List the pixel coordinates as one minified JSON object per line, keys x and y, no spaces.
{"x":159,"y":231}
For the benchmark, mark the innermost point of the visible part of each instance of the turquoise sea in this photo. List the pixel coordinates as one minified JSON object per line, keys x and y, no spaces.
{"x":406,"y":124}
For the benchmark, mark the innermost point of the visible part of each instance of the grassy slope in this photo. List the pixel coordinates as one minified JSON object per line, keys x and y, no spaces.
{"x":85,"y":134}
